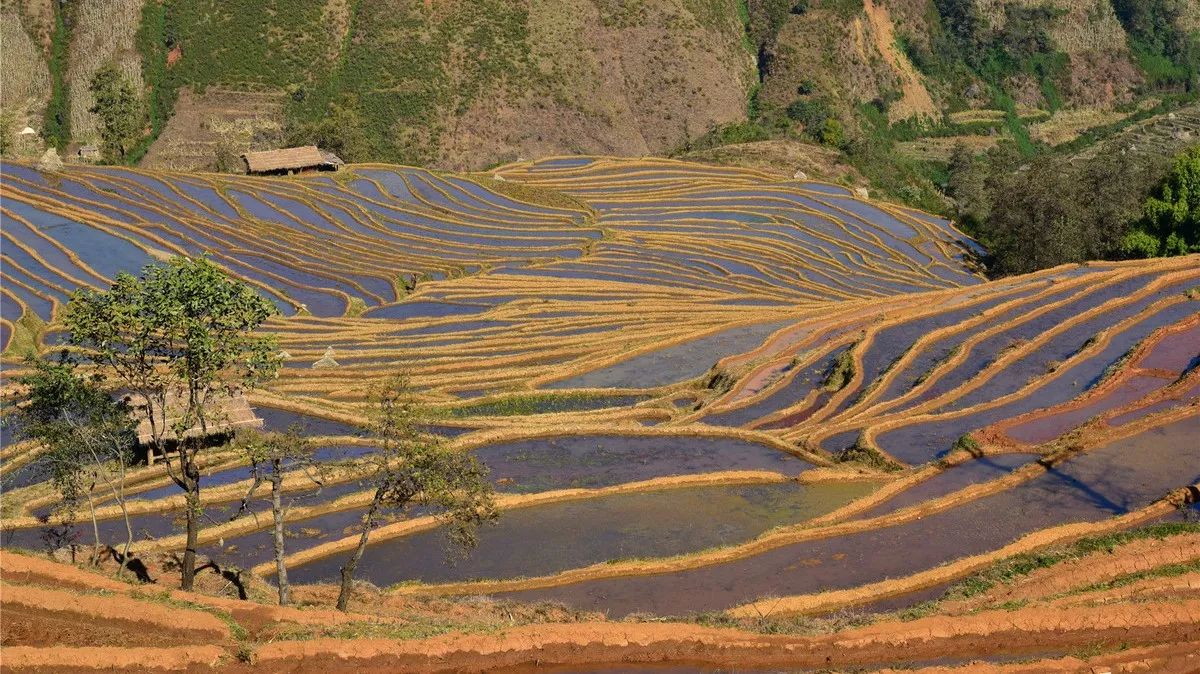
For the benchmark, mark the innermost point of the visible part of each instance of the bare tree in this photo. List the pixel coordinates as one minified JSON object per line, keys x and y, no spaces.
{"x":412,"y":467}
{"x":275,"y":457}
{"x":88,"y":438}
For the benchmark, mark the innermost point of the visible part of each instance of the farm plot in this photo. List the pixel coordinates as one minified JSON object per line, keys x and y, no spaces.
{"x":681,"y":376}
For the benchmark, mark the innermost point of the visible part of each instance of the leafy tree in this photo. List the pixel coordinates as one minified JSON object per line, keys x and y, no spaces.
{"x":275,"y":457}
{"x":1172,"y":213}
{"x":87,"y":436}
{"x":1139,"y":244}
{"x":1035,"y":227}
{"x":964,"y":25}
{"x":413,"y":467}
{"x":177,"y":338}
{"x":1165,"y":51}
{"x":1024,"y":35}
{"x":340,"y":131}
{"x":964,"y":185}
{"x":811,"y":112}
{"x":119,"y":109}
{"x":1046,"y":212}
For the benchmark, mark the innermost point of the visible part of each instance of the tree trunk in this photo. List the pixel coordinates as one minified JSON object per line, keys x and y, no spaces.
{"x":188,"y":575}
{"x":343,"y":599}
{"x":118,"y":491}
{"x":277,"y":514}
{"x":95,"y":528}
{"x":192,"y":478}
{"x":128,"y":536}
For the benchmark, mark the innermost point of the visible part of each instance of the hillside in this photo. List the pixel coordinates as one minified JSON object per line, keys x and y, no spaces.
{"x":461,"y":85}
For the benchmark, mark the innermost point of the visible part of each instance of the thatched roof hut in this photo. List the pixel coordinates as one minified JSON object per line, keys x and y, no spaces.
{"x":228,"y":414}
{"x":291,"y":160}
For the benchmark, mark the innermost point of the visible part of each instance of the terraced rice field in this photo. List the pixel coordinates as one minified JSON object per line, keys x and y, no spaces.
{"x":695,"y":387}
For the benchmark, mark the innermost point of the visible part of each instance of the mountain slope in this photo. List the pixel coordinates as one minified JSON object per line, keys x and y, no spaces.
{"x":470,"y":85}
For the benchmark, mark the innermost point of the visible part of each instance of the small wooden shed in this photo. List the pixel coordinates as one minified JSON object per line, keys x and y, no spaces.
{"x":291,"y":160}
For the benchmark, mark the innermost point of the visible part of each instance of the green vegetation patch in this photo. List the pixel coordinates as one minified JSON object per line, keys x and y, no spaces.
{"x":533,"y":194}
{"x":1165,"y":571}
{"x":540,"y":403}
{"x":275,"y":43}
{"x":867,"y":454}
{"x":414,"y":627}
{"x":406,"y":71}
{"x":841,"y":373}
{"x":1013,"y":568}
{"x":56,"y":124}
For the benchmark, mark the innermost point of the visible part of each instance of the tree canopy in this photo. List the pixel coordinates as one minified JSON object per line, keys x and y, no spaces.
{"x":120,"y":112}
{"x":1171,"y":214}
{"x":174,"y":337}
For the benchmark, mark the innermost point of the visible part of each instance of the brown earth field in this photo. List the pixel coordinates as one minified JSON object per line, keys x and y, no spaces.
{"x":1128,"y":603}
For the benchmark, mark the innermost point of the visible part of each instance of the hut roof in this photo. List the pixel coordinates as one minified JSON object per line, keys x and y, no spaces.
{"x":229,"y":413}
{"x":286,"y":159}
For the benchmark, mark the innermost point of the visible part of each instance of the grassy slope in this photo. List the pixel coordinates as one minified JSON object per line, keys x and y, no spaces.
{"x":468,"y":85}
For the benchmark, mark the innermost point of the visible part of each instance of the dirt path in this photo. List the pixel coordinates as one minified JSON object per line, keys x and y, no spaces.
{"x":116,"y":631}
{"x":112,"y":658}
{"x":39,"y":626}
{"x":113,"y":609}
{"x":1024,"y":631}
{"x":916,"y":100}
{"x":1178,"y":658}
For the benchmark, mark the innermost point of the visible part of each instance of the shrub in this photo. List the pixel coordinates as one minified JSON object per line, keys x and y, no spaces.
{"x":1171,"y":214}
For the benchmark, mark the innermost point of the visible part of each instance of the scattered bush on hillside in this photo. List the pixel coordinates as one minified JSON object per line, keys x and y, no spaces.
{"x":8,"y":129}
{"x":154,"y":40}
{"x":814,"y":114}
{"x":340,"y":132}
{"x":1165,"y":52}
{"x":730,"y":134}
{"x":1170,"y":223}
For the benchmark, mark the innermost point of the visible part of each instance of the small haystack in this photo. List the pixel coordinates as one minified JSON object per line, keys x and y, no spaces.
{"x":326,"y":360}
{"x":50,"y":161}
